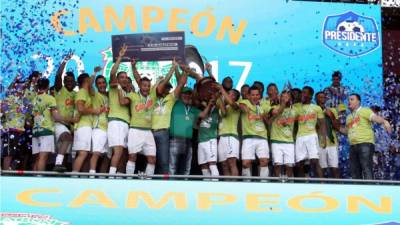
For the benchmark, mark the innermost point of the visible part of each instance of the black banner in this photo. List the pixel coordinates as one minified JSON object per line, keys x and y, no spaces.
{"x":150,"y":46}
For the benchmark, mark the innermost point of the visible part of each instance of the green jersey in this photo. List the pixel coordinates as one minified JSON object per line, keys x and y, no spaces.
{"x":100,"y":121}
{"x":183,"y":118}
{"x":30,"y":94}
{"x":161,"y":116}
{"x":307,"y":116}
{"x":228,"y":125}
{"x":15,"y":113}
{"x":359,"y":126}
{"x":208,"y":128}
{"x":141,"y":109}
{"x":85,"y":120}
{"x":252,"y":122}
{"x":282,"y":126}
{"x":65,"y":102}
{"x":117,"y":111}
{"x":43,"y":120}
{"x":329,"y":128}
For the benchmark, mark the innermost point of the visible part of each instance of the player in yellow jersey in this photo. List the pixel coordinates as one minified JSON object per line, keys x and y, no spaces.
{"x":99,"y":133}
{"x":228,"y":144}
{"x":118,"y":116}
{"x":255,"y":132}
{"x":140,"y":137}
{"x":83,"y":128}
{"x":309,"y":117}
{"x":329,"y":156}
{"x":282,"y":141}
{"x":45,"y":114}
{"x":65,"y":99}
{"x":161,"y":118}
{"x":15,"y":111}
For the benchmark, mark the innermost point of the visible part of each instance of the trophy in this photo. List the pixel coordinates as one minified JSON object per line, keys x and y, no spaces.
{"x":207,"y":86}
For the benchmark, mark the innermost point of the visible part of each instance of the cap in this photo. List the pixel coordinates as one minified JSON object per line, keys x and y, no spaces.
{"x":186,"y":89}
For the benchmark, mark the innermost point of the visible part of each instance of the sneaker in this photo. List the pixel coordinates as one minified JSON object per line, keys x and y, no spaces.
{"x":59,"y":168}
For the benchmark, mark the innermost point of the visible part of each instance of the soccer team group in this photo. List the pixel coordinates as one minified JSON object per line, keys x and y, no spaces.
{"x":106,"y":125}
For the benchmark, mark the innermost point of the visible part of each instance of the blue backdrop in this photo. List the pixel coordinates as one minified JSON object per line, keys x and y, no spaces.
{"x":278,"y":41}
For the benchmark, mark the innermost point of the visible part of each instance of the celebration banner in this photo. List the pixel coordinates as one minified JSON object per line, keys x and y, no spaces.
{"x":121,"y":201}
{"x":161,"y":46}
{"x":278,"y":41}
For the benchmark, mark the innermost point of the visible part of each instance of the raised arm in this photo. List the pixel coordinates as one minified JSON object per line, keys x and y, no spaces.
{"x":209,"y":70}
{"x":136,"y":73}
{"x":93,"y":78}
{"x":12,"y":85}
{"x":227,"y":98}
{"x":178,"y":74}
{"x":191,"y":73}
{"x":114,"y":69}
{"x":206,"y":111}
{"x":181,"y":83}
{"x":283,"y":102}
{"x":61,"y":68}
{"x":161,"y":86}
{"x":380,"y":120}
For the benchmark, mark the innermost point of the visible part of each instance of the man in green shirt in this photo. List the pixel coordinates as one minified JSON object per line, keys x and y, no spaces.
{"x":254,"y":131}
{"x":99,"y":125}
{"x":183,"y":117}
{"x":161,"y":118}
{"x":309,"y":116}
{"x":86,"y":111}
{"x":282,"y":142}
{"x":140,"y":137}
{"x":329,"y":156}
{"x":207,"y":123}
{"x":118,"y":116}
{"x":361,"y":137}
{"x":45,"y":114}
{"x":15,"y":111}
{"x":228,"y":145}
{"x":65,"y":99}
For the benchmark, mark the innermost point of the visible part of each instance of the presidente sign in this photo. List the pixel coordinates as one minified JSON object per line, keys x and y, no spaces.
{"x":115,"y":201}
{"x":351,"y":34}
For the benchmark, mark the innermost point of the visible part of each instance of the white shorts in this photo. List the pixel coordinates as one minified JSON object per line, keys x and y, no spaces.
{"x":207,"y":152}
{"x":117,"y":133}
{"x":82,"y":139}
{"x":228,"y":147}
{"x":60,"y":129}
{"x":99,"y":141}
{"x":255,"y":146}
{"x":307,"y":147}
{"x":141,"y":141}
{"x":328,"y":157}
{"x":43,"y":144}
{"x":283,"y":153}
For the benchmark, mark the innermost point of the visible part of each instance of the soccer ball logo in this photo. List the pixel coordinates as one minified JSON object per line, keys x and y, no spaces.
{"x":350,"y":26}
{"x":350,"y":34}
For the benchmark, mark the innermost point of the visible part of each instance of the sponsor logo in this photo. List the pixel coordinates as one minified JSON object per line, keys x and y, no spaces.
{"x":29,"y":218}
{"x":350,"y":34}
{"x":388,"y":223}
